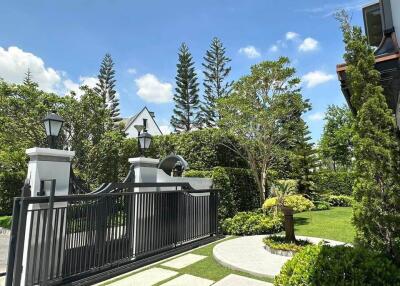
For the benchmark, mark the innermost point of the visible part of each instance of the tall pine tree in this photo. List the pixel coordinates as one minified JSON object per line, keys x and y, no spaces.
{"x":106,"y":87}
{"x":187,"y":104}
{"x":215,"y":85}
{"x":376,"y":212}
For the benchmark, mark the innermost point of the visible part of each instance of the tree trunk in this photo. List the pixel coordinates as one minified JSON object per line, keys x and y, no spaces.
{"x":289,"y":224}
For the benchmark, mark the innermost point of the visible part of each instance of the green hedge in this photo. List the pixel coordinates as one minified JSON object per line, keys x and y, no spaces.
{"x":340,"y":201}
{"x":202,"y":149}
{"x":238,"y":189}
{"x":251,"y":223}
{"x":340,"y":265}
{"x":336,"y":183}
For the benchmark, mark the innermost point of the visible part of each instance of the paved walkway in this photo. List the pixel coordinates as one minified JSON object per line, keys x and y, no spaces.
{"x":248,"y":254}
{"x":4,"y":241}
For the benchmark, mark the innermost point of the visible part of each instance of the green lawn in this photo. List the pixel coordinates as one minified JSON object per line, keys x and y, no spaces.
{"x":331,"y":224}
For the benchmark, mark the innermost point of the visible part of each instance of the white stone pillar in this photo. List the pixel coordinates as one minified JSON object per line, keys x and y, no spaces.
{"x":46,"y":164}
{"x":145,"y":171}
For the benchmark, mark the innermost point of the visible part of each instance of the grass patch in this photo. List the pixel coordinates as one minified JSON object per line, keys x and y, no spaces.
{"x":5,"y":221}
{"x":330,"y":224}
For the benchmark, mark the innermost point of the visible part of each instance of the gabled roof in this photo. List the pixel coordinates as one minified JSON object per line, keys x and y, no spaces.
{"x":133,"y":118}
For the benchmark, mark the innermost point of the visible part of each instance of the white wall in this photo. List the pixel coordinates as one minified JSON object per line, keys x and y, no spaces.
{"x":396,"y":17}
{"x":151,"y":125}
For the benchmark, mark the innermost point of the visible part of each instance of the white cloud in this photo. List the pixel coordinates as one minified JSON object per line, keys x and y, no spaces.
{"x":292,"y":36}
{"x":308,"y":44}
{"x":73,"y":86}
{"x":132,"y":71}
{"x":14,"y":63}
{"x":166,"y":129}
{"x":315,"y":78}
{"x":274,"y":48}
{"x":317,"y":116}
{"x":250,"y":51}
{"x":151,"y":89}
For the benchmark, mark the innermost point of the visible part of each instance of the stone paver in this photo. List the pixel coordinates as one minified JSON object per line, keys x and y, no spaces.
{"x":183,"y":261}
{"x":4,"y":241}
{"x":237,"y":280}
{"x":146,"y":278}
{"x":248,"y":254}
{"x":189,"y":280}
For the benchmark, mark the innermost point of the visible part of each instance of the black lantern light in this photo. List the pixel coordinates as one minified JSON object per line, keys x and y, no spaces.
{"x":53,"y":124}
{"x":144,"y":141}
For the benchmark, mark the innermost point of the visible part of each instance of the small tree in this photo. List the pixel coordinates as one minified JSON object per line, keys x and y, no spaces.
{"x":281,"y":190}
{"x":376,"y":149}
{"x":215,"y":85}
{"x":187,"y":104}
{"x":259,"y":115}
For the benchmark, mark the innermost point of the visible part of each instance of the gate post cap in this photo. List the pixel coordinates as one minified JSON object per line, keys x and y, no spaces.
{"x":47,"y":152}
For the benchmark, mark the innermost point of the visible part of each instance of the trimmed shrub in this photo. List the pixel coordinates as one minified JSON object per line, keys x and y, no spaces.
{"x":337,"y":183}
{"x":339,"y":265}
{"x":238,"y":189}
{"x":321,"y":206}
{"x":340,"y":201}
{"x":297,"y":202}
{"x":251,"y":223}
{"x":5,"y":222}
{"x":280,"y":243}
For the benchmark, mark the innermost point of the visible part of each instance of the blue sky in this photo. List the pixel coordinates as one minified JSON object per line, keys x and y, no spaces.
{"x":63,"y":43}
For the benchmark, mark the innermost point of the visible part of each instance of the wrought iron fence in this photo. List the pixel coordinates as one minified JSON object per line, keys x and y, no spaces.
{"x":94,"y":232}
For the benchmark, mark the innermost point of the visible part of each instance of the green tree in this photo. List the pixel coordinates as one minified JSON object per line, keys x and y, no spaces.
{"x":336,"y":145}
{"x":304,"y":162}
{"x":106,"y":87}
{"x":215,"y":85}
{"x":258,"y":115}
{"x":376,"y":149}
{"x":187,"y":104}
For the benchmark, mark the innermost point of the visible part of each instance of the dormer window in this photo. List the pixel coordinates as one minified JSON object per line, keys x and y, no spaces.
{"x":373,"y":24}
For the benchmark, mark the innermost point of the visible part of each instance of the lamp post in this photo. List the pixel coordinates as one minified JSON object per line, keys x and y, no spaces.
{"x":144,"y":141}
{"x":53,"y":124}
{"x":139,"y":129}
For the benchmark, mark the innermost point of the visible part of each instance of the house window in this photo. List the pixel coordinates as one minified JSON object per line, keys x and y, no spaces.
{"x":373,"y":24}
{"x":145,"y":123}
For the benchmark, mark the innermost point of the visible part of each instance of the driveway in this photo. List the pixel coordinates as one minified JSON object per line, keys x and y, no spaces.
{"x":4,"y":241}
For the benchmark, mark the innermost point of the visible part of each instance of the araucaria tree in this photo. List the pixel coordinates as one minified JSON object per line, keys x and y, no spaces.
{"x":187,"y":104}
{"x":376,"y":149}
{"x":215,"y":84}
{"x":106,"y":87}
{"x":258,"y":115}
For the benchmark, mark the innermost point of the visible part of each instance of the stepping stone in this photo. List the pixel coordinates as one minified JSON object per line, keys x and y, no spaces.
{"x":237,"y":280}
{"x":146,"y":278}
{"x":183,"y":261}
{"x":186,"y":279}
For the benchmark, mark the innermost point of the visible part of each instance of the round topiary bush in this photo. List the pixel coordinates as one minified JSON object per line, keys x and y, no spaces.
{"x":321,"y":206}
{"x":297,"y":202}
{"x":340,"y":201}
{"x":251,"y":223}
{"x":339,"y":265}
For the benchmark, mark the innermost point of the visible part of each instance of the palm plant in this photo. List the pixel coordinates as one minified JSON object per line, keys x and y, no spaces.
{"x":280,"y":190}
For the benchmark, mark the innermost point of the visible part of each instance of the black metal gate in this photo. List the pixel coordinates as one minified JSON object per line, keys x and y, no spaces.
{"x":95,"y":233}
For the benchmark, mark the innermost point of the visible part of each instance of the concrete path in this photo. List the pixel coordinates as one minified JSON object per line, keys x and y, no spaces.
{"x":248,"y":254}
{"x":4,"y":241}
{"x":146,"y":278}
{"x":188,"y":280}
{"x":183,"y":261}
{"x":237,"y":280}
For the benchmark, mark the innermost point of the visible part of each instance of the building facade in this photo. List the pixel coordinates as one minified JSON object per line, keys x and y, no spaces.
{"x":144,"y":118}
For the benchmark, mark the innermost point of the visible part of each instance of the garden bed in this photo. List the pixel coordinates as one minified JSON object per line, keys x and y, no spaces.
{"x":280,"y":246}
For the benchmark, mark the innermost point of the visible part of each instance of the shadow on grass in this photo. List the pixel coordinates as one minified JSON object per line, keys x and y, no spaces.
{"x":301,"y":220}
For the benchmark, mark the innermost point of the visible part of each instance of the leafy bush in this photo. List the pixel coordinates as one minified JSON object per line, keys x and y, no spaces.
{"x":5,"y":221}
{"x":340,"y":201}
{"x":297,"y":202}
{"x":321,"y":206}
{"x":251,"y":223}
{"x":238,"y":189}
{"x":280,"y":243}
{"x":340,"y":265}
{"x":337,"y":183}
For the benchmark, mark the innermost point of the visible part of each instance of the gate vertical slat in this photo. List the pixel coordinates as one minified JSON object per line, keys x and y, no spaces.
{"x":13,"y":241}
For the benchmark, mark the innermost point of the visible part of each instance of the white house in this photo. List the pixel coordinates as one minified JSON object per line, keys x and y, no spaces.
{"x":145,"y":118}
